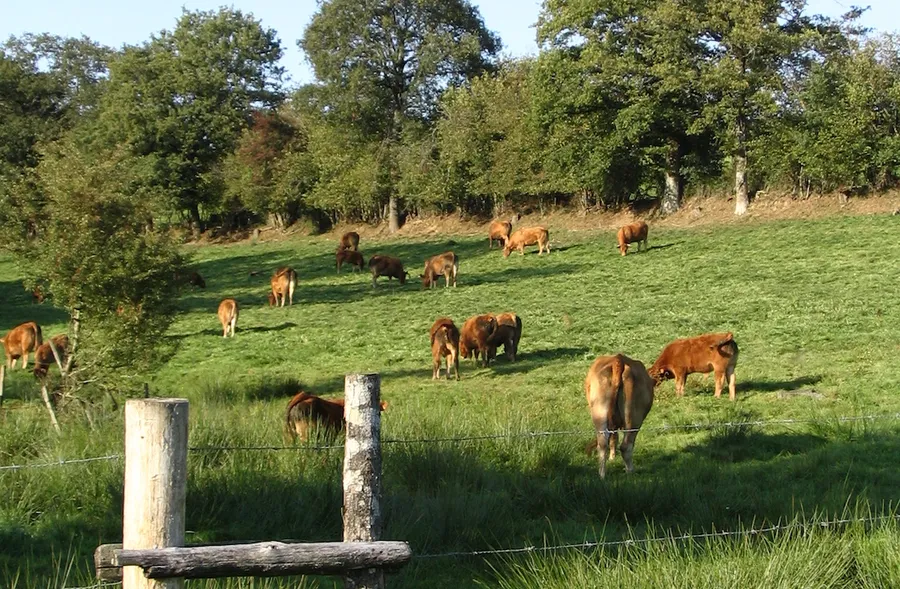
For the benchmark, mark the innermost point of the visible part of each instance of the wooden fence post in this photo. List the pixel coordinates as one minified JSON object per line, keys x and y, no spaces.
{"x":155,"y":482}
{"x":362,"y":471}
{"x":2,"y":378}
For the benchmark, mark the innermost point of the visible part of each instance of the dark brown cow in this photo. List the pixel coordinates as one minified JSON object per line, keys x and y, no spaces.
{"x":446,"y":265}
{"x":713,"y":352}
{"x":43,"y":357}
{"x":475,"y":337}
{"x":228,"y":316}
{"x":508,"y":334}
{"x":528,"y":236}
{"x":619,"y":393}
{"x":349,"y":241}
{"x":305,"y":412}
{"x":283,"y":283}
{"x":193,"y":278}
{"x":21,"y":341}
{"x":37,"y":294}
{"x":352,"y":257}
{"x":635,"y":232}
{"x":387,"y":266}
{"x":500,"y":231}
{"x":444,"y":343}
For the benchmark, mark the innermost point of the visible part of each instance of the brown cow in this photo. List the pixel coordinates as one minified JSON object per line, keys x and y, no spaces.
{"x":508,"y":334}
{"x":21,"y":341}
{"x":37,"y":294}
{"x":349,"y":241}
{"x":619,"y":393}
{"x":713,"y":352}
{"x":635,"y":232}
{"x":193,"y":278}
{"x":387,"y":266}
{"x":43,"y":357}
{"x":228,"y":316}
{"x":283,"y":282}
{"x":444,"y":342}
{"x":529,"y":236}
{"x":352,"y":257}
{"x":500,"y":231}
{"x":272,"y":299}
{"x":475,"y":337}
{"x":446,"y":265}
{"x":305,"y":412}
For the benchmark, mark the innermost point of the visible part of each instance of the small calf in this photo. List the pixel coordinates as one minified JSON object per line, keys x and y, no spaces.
{"x":713,"y":352}
{"x":635,"y":232}
{"x":444,"y":343}
{"x":387,"y":266}
{"x":43,"y":357}
{"x":475,"y":337}
{"x":21,"y":341}
{"x":528,"y":236}
{"x":619,"y":394}
{"x":446,"y":265}
{"x":228,"y":316}
{"x":508,"y":334}
{"x":349,"y":241}
{"x":283,"y":283}
{"x":306,"y":412}
{"x":500,"y":231}
{"x":352,"y":257}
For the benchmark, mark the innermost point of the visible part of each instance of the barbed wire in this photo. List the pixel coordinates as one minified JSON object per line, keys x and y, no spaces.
{"x":99,"y":585}
{"x":61,"y":462}
{"x":669,"y":538}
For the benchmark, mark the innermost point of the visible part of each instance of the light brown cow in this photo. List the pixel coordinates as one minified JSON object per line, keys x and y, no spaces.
{"x":43,"y":357}
{"x":352,"y":257}
{"x":713,"y":352}
{"x":283,"y":282}
{"x":528,"y":236}
{"x":446,"y":265}
{"x":349,"y":241}
{"x":635,"y":232}
{"x":619,"y":393}
{"x":387,"y":266}
{"x":500,"y":231}
{"x":228,"y":316}
{"x":508,"y":334}
{"x":444,"y":343}
{"x":475,"y":337}
{"x":305,"y":412}
{"x":21,"y":341}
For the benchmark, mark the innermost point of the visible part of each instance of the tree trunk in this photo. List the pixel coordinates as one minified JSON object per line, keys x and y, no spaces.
{"x":741,"y":197}
{"x":393,"y":213}
{"x":672,"y":192}
{"x":196,"y":221}
{"x":76,"y":334}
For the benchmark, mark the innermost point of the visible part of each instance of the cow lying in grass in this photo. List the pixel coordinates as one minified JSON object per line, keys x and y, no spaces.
{"x":446,"y":265}
{"x":349,"y":241}
{"x":348,"y":256}
{"x":444,"y":343}
{"x":619,"y":393}
{"x":387,"y":266}
{"x":476,"y":336}
{"x":635,"y":232}
{"x":499,"y":230}
{"x":529,"y":236}
{"x":228,"y":316}
{"x":21,"y":341}
{"x":508,"y":334}
{"x":713,"y":352}
{"x":306,"y":412}
{"x":43,"y":357}
{"x":283,"y":283}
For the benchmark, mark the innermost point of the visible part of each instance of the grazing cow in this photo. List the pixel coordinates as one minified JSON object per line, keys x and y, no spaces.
{"x":500,"y":231}
{"x":228,"y":316}
{"x":193,"y":278}
{"x":619,"y":393}
{"x":476,"y":336}
{"x":444,"y":343}
{"x":272,"y":299}
{"x":352,"y":257}
{"x":529,"y":236}
{"x":508,"y":333}
{"x":305,"y":411}
{"x":283,"y":282}
{"x":349,"y":241}
{"x":21,"y":341}
{"x":446,"y":265}
{"x":387,"y":266}
{"x":37,"y":295}
{"x":713,"y":352}
{"x":635,"y":232}
{"x":43,"y":357}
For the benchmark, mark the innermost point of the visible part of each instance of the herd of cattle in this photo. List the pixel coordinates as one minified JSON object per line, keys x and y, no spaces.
{"x":618,"y":389}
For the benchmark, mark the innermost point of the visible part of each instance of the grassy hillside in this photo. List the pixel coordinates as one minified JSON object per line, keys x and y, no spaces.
{"x":813,"y":306}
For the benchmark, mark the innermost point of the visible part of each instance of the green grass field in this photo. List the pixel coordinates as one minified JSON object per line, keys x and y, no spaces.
{"x":813,"y":306}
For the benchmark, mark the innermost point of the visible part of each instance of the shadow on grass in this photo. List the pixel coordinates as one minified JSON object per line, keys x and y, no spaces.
{"x":660,"y":247}
{"x":526,"y":361}
{"x":238,"y":330}
{"x":777,"y":385}
{"x":18,"y":308}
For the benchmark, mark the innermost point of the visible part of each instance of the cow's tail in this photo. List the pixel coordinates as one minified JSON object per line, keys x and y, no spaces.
{"x":727,"y":346}
{"x":38,"y":335}
{"x":617,"y":368}
{"x":289,"y":416}
{"x":292,"y":284}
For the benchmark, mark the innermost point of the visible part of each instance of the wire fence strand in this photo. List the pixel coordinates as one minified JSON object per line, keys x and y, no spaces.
{"x":62,"y":462}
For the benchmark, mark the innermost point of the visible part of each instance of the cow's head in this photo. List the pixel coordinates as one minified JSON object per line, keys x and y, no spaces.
{"x":506,"y":249}
{"x":427,"y":278}
{"x":622,"y":247}
{"x":660,"y":374}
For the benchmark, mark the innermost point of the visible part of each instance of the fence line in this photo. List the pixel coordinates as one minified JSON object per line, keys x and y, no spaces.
{"x":98,"y":585}
{"x":507,"y":435}
{"x":681,"y":538}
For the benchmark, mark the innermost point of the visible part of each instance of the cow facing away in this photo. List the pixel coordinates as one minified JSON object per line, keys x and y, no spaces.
{"x":306,"y":412}
{"x":283,"y":282}
{"x":475,"y":337}
{"x":508,"y":334}
{"x":528,"y":236}
{"x":349,"y":241}
{"x":446,"y":265}
{"x":228,"y":316}
{"x":387,"y":266}
{"x":444,"y":344}
{"x":21,"y":341}
{"x":43,"y":357}
{"x":619,"y":394}
{"x":713,"y":352}
{"x":499,"y":231}
{"x":635,"y":232}
{"x":352,"y":257}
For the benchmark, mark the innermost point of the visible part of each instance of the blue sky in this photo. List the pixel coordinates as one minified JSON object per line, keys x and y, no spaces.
{"x":118,"y":22}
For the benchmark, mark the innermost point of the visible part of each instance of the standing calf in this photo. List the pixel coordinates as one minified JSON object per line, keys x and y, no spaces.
{"x":475,"y":337}
{"x":43,"y":357}
{"x":713,"y":352}
{"x":21,"y":341}
{"x":283,"y":282}
{"x":228,"y":315}
{"x":635,"y":232}
{"x":529,"y":236}
{"x":446,"y":265}
{"x":500,"y":231}
{"x":387,"y":266}
{"x":444,"y":343}
{"x":352,"y":257}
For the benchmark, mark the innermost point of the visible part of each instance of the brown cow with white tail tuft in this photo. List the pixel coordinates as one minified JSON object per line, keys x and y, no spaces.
{"x":446,"y":265}
{"x":444,"y":343}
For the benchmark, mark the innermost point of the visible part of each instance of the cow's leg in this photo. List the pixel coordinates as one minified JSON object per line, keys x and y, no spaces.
{"x":613,"y":442}
{"x":729,"y":373}
{"x":436,"y":368}
{"x":680,"y":381}
{"x":455,"y":355}
{"x":720,"y":382}
{"x":627,"y":448}
{"x":603,"y":439}
{"x":233,"y":323}
{"x":25,"y":360}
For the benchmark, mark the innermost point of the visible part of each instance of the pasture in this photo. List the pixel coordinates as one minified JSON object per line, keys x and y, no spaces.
{"x":812,"y":304}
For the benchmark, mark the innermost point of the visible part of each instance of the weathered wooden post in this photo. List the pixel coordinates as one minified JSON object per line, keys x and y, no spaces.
{"x":362,"y":471}
{"x":2,"y":378}
{"x":155,"y":482}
